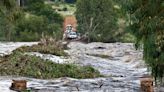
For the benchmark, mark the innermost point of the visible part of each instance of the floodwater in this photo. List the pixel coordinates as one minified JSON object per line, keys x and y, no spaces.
{"x":120,"y":63}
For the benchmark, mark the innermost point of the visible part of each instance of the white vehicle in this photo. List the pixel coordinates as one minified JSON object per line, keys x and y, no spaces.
{"x":72,"y":35}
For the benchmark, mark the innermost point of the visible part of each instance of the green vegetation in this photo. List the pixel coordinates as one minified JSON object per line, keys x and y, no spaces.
{"x":38,"y":7}
{"x":97,"y":20}
{"x":66,"y":9}
{"x":63,"y":8}
{"x":20,"y":64}
{"x":146,"y":23}
{"x":127,"y":38}
{"x":9,"y":14}
{"x":29,"y":28}
{"x":48,"y":47}
{"x":30,"y":22}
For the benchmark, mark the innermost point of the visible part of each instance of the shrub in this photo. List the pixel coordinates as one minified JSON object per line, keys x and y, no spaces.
{"x":29,"y":28}
{"x":41,"y":9}
{"x":32,"y":66}
{"x":46,"y":46}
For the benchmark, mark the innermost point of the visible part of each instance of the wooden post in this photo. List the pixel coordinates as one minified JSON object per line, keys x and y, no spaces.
{"x":19,"y":85}
{"x":147,"y":85}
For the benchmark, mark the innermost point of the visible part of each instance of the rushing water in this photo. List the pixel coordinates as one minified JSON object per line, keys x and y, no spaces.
{"x":8,"y":47}
{"x":122,"y":66}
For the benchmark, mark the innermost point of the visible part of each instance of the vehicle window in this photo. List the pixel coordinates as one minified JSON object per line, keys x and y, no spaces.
{"x":72,"y":33}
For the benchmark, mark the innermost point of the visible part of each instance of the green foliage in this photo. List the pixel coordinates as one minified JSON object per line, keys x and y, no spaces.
{"x":28,"y":23}
{"x":146,"y":23}
{"x":46,"y":48}
{"x":128,"y":38}
{"x":3,"y":26}
{"x":54,"y":30}
{"x":30,"y":27}
{"x":31,"y":66}
{"x":39,"y":8}
{"x":7,"y":4}
{"x":9,"y":14}
{"x":97,"y":20}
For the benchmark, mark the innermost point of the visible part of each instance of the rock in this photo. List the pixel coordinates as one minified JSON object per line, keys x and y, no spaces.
{"x":19,"y":85}
{"x":147,"y":85}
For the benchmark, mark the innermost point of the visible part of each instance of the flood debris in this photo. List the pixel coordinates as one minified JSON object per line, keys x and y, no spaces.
{"x":19,"y":85}
{"x":147,"y":85}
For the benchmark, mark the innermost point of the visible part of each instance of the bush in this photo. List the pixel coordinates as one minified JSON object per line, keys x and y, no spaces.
{"x":27,"y":36}
{"x":31,"y":28}
{"x":41,"y":9}
{"x":32,"y":66}
{"x":46,"y":46}
{"x":28,"y":23}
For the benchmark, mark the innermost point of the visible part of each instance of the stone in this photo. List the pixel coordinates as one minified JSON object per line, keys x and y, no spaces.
{"x":19,"y":85}
{"x":147,"y":85}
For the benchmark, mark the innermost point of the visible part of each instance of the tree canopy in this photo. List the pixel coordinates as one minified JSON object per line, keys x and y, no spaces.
{"x":146,"y":23}
{"x":96,"y":19}
{"x":9,"y":14}
{"x":28,"y":22}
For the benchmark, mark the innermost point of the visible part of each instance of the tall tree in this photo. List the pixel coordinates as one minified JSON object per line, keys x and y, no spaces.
{"x":96,"y":19}
{"x":146,"y":23}
{"x":39,"y":8}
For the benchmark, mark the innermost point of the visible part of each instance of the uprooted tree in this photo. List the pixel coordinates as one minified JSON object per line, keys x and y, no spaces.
{"x":97,"y":20}
{"x":146,"y":23}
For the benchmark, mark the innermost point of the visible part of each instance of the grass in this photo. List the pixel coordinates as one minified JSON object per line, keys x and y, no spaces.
{"x":19,"y":64}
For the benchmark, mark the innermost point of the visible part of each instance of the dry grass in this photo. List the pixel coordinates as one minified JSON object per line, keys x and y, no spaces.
{"x":46,"y":46}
